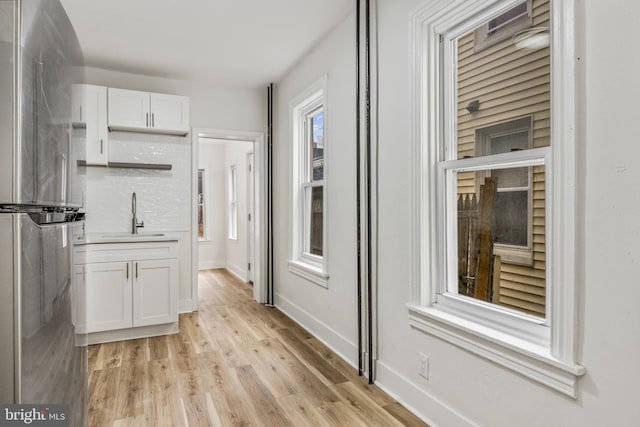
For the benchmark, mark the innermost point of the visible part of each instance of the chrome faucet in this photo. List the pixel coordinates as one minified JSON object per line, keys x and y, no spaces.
{"x":134,"y":220}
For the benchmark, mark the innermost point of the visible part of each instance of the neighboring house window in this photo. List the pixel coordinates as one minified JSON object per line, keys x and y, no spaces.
{"x":503,"y":26}
{"x":309,"y":253}
{"x":233,"y":203}
{"x":493,"y":225}
{"x":202,"y":202}
{"x":513,"y":228}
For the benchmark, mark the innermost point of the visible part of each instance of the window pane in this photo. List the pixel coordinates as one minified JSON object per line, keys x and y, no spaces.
{"x":493,"y":226}
{"x":317,"y":144}
{"x":201,"y":201}
{"x":201,"y":221}
{"x":316,"y":221}
{"x":499,"y":84}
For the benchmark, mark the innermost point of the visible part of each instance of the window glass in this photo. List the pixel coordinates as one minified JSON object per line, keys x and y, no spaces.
{"x":317,"y":146}
{"x":512,"y":15}
{"x":502,"y":108}
{"x":201,"y":201}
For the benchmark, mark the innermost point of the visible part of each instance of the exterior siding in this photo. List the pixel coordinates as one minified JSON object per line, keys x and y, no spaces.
{"x":510,"y":84}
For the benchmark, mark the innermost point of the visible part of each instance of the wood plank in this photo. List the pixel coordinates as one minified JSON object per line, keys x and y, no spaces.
{"x":262,"y":400}
{"x":366,"y":408}
{"x":194,"y":378}
{"x":405,"y":417}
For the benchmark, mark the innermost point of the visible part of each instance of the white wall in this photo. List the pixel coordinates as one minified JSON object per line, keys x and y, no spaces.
{"x":212,"y":251}
{"x":330,"y":313}
{"x":236,"y":154}
{"x":465,"y":389}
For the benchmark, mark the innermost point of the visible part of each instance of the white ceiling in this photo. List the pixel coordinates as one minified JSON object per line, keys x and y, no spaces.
{"x":231,"y":43}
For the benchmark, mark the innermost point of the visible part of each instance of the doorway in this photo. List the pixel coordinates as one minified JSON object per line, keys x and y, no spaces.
{"x":237,"y":193}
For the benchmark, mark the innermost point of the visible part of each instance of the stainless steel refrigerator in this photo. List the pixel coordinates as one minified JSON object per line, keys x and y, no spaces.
{"x":42,"y":360}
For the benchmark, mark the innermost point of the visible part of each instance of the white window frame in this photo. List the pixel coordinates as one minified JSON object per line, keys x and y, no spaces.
{"x":541,"y":349}
{"x":302,"y":263}
{"x":233,"y":202}
{"x":205,"y":201}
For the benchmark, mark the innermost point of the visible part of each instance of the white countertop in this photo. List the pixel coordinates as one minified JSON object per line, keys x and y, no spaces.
{"x":123,"y":238}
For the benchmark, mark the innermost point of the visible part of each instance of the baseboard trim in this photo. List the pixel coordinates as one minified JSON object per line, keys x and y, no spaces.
{"x":211,"y":265}
{"x":412,"y":397}
{"x":237,"y":271}
{"x":133,"y":333}
{"x":339,"y":344}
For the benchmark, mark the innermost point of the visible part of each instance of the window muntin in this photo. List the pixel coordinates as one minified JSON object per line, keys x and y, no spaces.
{"x":233,"y":203}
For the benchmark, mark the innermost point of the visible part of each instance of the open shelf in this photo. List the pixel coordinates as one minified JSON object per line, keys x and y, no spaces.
{"x":128,"y":165}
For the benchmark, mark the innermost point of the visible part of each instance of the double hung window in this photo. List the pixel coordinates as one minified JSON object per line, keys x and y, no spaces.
{"x":494,"y":226}
{"x":309,"y":191}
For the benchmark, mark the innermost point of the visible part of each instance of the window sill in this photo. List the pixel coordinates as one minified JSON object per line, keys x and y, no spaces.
{"x":530,"y":360}
{"x":235,"y":239}
{"x":310,"y":272}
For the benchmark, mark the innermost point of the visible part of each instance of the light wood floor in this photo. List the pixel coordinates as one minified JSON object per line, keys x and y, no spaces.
{"x":234,"y":363}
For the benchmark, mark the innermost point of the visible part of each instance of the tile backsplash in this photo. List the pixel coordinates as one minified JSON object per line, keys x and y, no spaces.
{"x":163,"y":196}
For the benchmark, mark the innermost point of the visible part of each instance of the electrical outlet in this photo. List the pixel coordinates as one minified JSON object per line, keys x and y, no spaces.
{"x":423,"y":369}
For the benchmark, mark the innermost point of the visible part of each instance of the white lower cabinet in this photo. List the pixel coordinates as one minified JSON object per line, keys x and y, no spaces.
{"x":130,"y":289}
{"x":155,"y":296}
{"x":108,"y":289}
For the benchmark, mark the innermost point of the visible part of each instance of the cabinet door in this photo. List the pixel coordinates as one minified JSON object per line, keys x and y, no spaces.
{"x":170,"y":113}
{"x":79,"y":299}
{"x":128,"y":109}
{"x":77,"y":105}
{"x":155,"y":292}
{"x":108,"y":290}
{"x":95,"y":116}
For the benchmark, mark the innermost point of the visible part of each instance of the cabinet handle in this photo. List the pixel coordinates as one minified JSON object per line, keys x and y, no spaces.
{"x":153,"y":120}
{"x":101,"y":145}
{"x":147,"y":119}
{"x":136,"y":270}
{"x":127,"y":270}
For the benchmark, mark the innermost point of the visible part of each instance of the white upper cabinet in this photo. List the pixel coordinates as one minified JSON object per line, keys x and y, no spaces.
{"x":128,"y":109}
{"x":136,"y":111}
{"x":89,"y":111}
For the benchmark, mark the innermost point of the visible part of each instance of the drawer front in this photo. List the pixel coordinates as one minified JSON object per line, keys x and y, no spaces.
{"x":111,"y":252}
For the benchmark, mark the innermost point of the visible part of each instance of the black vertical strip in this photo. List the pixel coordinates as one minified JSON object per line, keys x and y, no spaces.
{"x":270,"y":195}
{"x":368,"y":183}
{"x":358,"y":183}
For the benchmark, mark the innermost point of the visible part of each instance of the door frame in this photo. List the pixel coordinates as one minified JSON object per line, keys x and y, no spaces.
{"x":260,"y":179}
{"x":250,"y":201}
